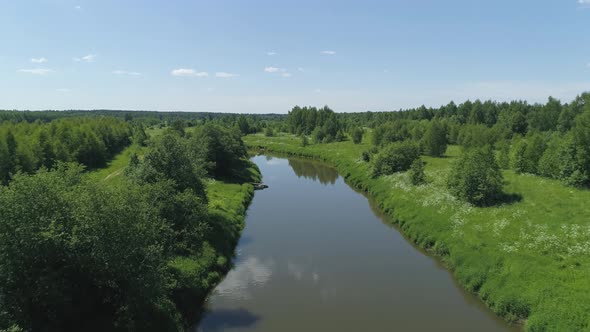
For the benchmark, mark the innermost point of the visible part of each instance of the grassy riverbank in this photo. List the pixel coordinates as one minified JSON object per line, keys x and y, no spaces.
{"x":528,"y":260}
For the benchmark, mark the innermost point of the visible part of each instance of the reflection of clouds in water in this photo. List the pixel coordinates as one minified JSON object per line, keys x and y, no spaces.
{"x":251,"y":272}
{"x":315,"y":276}
{"x":298,"y":272}
{"x":295,"y":270}
{"x":276,"y":161}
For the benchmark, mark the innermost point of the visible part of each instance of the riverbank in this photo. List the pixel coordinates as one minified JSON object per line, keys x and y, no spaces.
{"x":528,"y":260}
{"x":228,"y":199}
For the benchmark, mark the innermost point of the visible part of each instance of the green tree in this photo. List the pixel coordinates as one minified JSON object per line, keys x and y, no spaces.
{"x":221,"y":148}
{"x":269,"y":132}
{"x":476,"y":177}
{"x":357,"y":135}
{"x":72,"y":251}
{"x":435,"y":140}
{"x":417,"y":175}
{"x":304,"y":141}
{"x":395,"y":157}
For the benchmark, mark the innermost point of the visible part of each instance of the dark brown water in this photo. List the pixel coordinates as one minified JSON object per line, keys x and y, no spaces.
{"x":316,"y":256}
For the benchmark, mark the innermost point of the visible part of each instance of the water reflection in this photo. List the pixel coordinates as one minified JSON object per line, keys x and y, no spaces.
{"x":251,"y":272}
{"x":314,"y":256}
{"x":275,"y":161}
{"x":314,"y":171}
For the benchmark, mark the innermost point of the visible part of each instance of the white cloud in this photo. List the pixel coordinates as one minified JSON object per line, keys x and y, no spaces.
{"x":301,"y":69}
{"x":38,"y":60}
{"x":78,"y":7}
{"x":273,"y":69}
{"x":271,"y":53}
{"x":36,"y":71}
{"x":188,"y":73}
{"x":125,"y":72}
{"x":584,"y":2}
{"x":222,"y":74}
{"x":63,"y":90}
{"x":86,"y":58}
{"x":328,"y":52}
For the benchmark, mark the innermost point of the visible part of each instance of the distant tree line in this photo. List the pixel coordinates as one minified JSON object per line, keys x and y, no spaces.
{"x":151,"y":118}
{"x":322,"y":124}
{"x":26,"y":147}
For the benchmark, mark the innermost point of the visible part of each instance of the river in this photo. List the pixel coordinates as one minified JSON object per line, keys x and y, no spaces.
{"x":318,"y":256}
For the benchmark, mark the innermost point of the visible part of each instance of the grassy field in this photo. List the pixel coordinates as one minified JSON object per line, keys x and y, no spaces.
{"x":528,"y":260}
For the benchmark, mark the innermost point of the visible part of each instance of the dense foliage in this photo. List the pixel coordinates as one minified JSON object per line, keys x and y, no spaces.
{"x":79,"y":254}
{"x":322,"y":124}
{"x":25,"y":147}
{"x":548,"y":139}
{"x":222,"y":148}
{"x":476,"y":177}
{"x":74,"y":253}
{"x":396,"y":157}
{"x":417,"y":175}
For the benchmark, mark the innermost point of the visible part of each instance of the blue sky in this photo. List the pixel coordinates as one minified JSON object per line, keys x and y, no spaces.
{"x":267,"y":56}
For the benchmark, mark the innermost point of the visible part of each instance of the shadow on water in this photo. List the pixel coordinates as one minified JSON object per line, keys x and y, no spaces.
{"x":221,"y":319}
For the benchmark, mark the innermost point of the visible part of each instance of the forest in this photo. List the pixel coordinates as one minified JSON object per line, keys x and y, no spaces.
{"x":81,"y":253}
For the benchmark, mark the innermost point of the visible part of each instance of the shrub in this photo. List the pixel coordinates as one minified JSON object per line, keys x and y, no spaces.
{"x":318,"y":135}
{"x":304,"y":141}
{"x":476,"y":177}
{"x":269,"y":132}
{"x":366,"y":156}
{"x":417,"y":175}
{"x":396,"y":157}
{"x":357,"y":135}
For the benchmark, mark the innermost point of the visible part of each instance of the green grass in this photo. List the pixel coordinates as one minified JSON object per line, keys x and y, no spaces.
{"x":529,"y":261}
{"x":113,"y":172}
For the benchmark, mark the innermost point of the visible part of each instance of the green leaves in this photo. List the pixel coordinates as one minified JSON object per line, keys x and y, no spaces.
{"x":476,"y":177}
{"x":395,"y":157}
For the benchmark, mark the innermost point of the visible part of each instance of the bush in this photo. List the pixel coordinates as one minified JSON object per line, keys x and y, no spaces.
{"x":366,"y":156}
{"x":318,"y":135}
{"x":417,"y":176}
{"x":396,"y":157}
{"x":476,"y":177}
{"x":269,"y":132}
{"x":304,"y":141}
{"x":357,"y":135}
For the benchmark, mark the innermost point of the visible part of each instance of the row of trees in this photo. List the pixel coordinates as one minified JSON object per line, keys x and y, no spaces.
{"x":521,"y":142}
{"x":323,"y":124}
{"x":82,"y":255}
{"x":26,"y":147}
{"x":518,"y":117}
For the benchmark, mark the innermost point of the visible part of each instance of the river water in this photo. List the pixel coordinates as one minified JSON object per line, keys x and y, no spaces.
{"x":317,"y":256}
